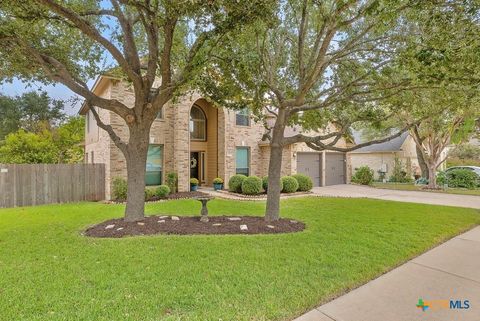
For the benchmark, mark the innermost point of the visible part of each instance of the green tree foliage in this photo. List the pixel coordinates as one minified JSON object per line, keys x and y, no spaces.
{"x":465,"y":151}
{"x":23,"y":147}
{"x":31,"y":111}
{"x":322,"y":65}
{"x":442,"y":59}
{"x":157,"y":46}
{"x":58,"y":145}
{"x":69,"y":137}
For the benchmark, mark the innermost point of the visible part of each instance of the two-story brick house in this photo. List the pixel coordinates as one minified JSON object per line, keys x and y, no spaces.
{"x":195,"y":139}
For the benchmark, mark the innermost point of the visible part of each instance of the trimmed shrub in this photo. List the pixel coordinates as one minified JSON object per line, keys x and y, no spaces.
{"x":235,"y":183}
{"x":363,"y":175}
{"x":290,"y":184}
{"x":119,"y":189}
{"x":149,"y":193}
{"x":462,"y":178}
{"x":304,"y":182}
{"x":252,"y":185}
{"x":172,"y":181}
{"x":265,"y":183}
{"x":162,"y":191}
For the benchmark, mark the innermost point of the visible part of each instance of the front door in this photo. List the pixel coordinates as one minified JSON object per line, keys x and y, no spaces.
{"x":195,"y":165}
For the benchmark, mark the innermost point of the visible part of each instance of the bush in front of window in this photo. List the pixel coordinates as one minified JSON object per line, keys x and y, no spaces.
{"x":290,"y":184}
{"x":119,"y":189}
{"x":265,"y":183}
{"x":252,"y":185}
{"x":305,"y":183}
{"x":162,"y":191}
{"x":363,"y":175}
{"x":235,"y":183}
{"x":149,"y":194}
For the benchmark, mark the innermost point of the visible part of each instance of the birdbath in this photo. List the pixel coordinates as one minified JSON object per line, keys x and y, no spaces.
{"x":204,"y":212}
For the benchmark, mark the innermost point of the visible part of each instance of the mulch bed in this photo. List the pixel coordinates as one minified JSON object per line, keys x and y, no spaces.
{"x":188,"y":225}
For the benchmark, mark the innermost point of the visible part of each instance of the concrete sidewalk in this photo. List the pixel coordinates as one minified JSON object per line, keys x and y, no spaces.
{"x":397,"y":195}
{"x":450,"y":271}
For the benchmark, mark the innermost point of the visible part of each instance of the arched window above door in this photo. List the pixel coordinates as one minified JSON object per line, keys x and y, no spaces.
{"x":198,"y":124}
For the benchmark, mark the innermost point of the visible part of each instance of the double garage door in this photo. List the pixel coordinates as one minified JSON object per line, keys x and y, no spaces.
{"x":311,"y":165}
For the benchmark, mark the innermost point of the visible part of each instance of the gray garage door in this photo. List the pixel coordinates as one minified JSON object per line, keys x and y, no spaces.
{"x":335,"y":168}
{"x":310,"y":164}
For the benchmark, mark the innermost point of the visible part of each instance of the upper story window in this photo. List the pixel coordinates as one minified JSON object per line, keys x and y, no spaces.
{"x":198,"y":124}
{"x":242,"y":117}
{"x":160,"y":114}
{"x":153,"y":93}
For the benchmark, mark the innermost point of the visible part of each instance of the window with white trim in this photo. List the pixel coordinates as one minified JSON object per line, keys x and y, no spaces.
{"x":242,"y":161}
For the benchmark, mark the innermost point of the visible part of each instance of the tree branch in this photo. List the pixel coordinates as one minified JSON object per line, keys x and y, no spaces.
{"x":115,"y":138}
{"x":90,"y":31}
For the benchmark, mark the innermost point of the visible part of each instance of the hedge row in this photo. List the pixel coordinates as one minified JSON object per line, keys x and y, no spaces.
{"x":119,"y":191}
{"x":253,"y":185}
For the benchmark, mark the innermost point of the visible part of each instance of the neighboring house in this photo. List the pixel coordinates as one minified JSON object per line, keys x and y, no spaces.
{"x":195,"y":139}
{"x":381,"y":157}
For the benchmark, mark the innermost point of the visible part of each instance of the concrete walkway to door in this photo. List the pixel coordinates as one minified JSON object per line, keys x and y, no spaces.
{"x":401,"y":196}
{"x":450,"y":271}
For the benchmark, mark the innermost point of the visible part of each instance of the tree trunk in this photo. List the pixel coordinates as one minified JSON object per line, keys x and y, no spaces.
{"x":136,"y":168}
{"x":272,"y":212}
{"x":422,"y":163}
{"x":432,"y":181}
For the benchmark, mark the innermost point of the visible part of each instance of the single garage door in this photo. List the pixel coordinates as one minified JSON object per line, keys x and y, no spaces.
{"x":335,"y":169}
{"x":310,"y":164}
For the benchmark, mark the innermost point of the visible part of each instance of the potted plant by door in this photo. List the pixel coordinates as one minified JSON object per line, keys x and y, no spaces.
{"x":218,"y":184}
{"x":193,"y":184}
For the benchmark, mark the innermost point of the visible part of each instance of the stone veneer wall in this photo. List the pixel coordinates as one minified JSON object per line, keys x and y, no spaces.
{"x":98,"y":140}
{"x":172,"y":131}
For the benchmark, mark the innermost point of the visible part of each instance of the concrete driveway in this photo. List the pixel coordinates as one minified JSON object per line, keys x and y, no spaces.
{"x":401,"y":196}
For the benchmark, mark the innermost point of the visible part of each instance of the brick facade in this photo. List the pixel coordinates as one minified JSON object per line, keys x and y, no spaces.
{"x":172,"y":132}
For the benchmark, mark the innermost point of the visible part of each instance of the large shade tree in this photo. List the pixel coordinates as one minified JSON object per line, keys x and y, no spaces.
{"x":64,"y":41}
{"x":441,"y":57}
{"x":31,"y":111}
{"x":317,"y":64}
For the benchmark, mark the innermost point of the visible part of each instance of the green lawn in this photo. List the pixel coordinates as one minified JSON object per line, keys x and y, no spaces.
{"x":48,"y":271}
{"x":412,"y":187}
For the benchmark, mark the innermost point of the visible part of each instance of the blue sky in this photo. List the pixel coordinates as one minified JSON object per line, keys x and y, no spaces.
{"x":57,"y":91}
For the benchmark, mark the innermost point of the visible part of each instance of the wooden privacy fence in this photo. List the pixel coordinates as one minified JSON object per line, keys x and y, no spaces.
{"x":35,"y":184}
